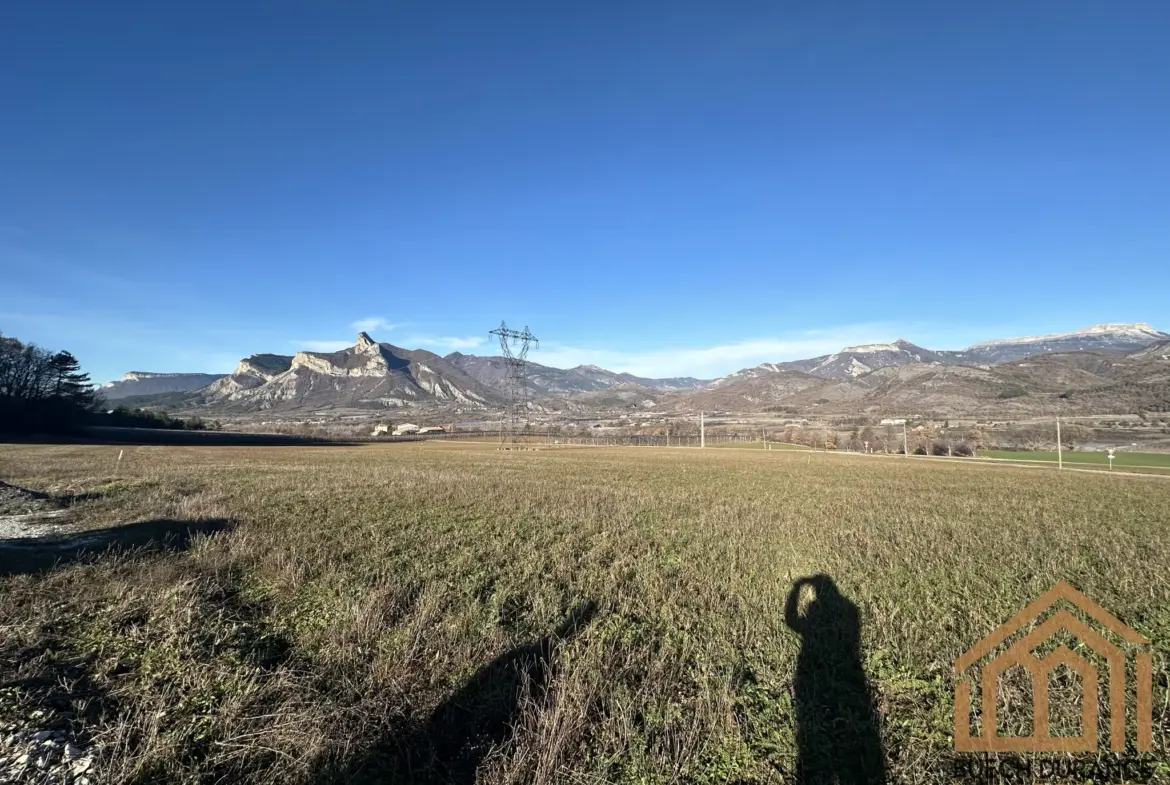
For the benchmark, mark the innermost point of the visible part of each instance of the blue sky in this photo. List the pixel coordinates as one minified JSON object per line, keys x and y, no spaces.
{"x":661,"y":187}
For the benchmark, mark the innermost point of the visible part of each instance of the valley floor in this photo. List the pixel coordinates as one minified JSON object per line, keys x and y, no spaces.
{"x":448,"y":612}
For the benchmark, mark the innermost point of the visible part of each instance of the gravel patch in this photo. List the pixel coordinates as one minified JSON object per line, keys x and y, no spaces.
{"x":39,"y":748}
{"x":25,"y":513}
{"x":20,"y":501}
{"x":33,"y":757}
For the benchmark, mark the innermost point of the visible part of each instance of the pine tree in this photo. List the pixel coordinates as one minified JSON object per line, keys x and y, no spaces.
{"x":69,"y":382}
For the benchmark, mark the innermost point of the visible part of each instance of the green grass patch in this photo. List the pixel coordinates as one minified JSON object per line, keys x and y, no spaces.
{"x":1121,"y":457}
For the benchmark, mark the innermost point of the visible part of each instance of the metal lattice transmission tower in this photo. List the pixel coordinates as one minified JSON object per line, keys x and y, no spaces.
{"x":514,"y":345}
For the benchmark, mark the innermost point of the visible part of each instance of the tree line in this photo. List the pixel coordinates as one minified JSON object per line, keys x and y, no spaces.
{"x":42,"y":391}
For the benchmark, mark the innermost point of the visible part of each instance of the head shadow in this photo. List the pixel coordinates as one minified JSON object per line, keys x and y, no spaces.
{"x":449,"y":746}
{"x":838,"y":731}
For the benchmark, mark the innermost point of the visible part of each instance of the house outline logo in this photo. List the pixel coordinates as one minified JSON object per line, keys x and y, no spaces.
{"x":1021,"y":653}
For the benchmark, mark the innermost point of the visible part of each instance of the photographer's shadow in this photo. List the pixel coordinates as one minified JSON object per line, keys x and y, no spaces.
{"x":837,"y":732}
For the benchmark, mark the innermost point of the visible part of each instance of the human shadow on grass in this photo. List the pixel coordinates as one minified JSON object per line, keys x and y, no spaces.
{"x":838,"y":733}
{"x":27,"y":555}
{"x":452,"y":743}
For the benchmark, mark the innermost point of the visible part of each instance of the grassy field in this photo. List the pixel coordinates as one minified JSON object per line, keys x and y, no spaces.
{"x":1145,"y":460}
{"x":760,"y":445}
{"x":447,"y":612}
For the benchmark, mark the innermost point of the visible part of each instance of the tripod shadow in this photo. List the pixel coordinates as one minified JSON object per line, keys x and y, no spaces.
{"x":462,"y":730}
{"x":837,"y":731}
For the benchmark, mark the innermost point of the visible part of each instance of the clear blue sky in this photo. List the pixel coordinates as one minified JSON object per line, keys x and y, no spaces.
{"x":665,"y":187}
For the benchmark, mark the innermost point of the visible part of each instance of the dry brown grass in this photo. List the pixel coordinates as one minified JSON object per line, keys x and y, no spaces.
{"x":367,"y":593}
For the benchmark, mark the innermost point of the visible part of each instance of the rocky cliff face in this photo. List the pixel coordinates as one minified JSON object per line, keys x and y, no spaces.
{"x":366,"y":375}
{"x":252,"y":372}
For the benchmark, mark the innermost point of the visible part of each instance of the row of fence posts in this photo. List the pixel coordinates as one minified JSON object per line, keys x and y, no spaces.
{"x":662,"y":440}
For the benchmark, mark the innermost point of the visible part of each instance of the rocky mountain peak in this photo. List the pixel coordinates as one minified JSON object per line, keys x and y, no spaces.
{"x":365,"y":342}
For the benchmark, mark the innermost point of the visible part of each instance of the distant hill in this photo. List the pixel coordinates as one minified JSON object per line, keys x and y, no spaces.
{"x":1077,"y":382}
{"x":544,"y":380}
{"x":1101,"y":338}
{"x":137,"y":383}
{"x":855,"y":361}
{"x":850,"y":362}
{"x":774,"y":388}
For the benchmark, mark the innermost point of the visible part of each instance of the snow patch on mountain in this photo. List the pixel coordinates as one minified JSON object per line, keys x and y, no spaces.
{"x":871,"y":347}
{"x":1139,"y":331}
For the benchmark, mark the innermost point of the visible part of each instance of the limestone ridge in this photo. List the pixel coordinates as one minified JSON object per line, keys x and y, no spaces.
{"x":366,"y":375}
{"x":150,"y":383}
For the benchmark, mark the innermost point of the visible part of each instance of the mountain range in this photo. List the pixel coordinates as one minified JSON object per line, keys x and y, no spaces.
{"x":855,"y":361}
{"x":148,"y":383}
{"x":544,"y":380}
{"x":898,"y":375}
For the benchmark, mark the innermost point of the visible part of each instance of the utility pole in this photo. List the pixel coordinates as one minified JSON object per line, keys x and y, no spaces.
{"x":1059,"y":454}
{"x":702,"y":431}
{"x":905,"y":441}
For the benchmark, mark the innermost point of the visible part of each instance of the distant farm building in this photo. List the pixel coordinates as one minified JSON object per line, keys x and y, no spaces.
{"x":380,"y":430}
{"x":406,"y":429}
{"x":432,"y":429}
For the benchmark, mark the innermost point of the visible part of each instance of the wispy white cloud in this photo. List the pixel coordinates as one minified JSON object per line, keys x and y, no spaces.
{"x":450,"y":343}
{"x":714,"y":361}
{"x":368,"y":325}
{"x":372,"y":323}
{"x":109,"y":345}
{"x":436,"y":342}
{"x":322,"y":346}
